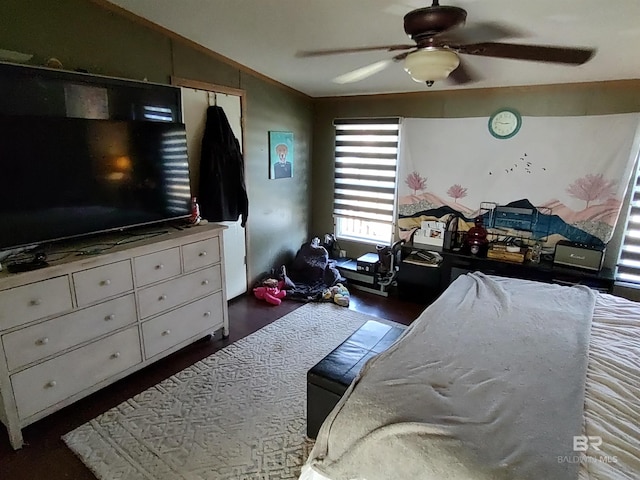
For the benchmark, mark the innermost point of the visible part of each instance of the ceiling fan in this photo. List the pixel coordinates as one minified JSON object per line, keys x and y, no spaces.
{"x":439,"y":39}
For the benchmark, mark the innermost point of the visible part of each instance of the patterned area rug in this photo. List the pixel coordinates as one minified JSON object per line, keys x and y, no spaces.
{"x":238,"y":414}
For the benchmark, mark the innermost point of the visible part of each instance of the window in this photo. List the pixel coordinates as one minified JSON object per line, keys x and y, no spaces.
{"x":628,"y":271}
{"x":366,"y":159}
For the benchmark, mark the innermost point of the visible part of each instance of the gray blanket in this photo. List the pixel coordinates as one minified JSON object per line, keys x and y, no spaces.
{"x":488,"y":383}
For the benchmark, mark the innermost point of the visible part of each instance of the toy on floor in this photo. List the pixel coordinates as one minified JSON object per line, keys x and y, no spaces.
{"x":271,"y":291}
{"x":338,"y":293}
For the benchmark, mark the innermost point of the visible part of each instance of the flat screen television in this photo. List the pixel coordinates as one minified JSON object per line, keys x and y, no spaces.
{"x":66,"y":177}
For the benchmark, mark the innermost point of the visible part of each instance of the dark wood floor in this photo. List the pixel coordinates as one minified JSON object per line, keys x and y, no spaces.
{"x":45,"y":456}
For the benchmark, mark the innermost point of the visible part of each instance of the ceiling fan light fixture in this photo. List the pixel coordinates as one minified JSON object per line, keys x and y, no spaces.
{"x":431,"y":64}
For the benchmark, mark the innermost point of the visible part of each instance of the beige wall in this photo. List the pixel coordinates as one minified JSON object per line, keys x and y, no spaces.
{"x":566,"y":100}
{"x":86,"y":35}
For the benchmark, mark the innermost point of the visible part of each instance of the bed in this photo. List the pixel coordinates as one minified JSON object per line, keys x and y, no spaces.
{"x":497,"y":379}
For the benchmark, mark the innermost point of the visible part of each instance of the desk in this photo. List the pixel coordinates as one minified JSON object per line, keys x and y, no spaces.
{"x":418,"y":282}
{"x":456,"y":264}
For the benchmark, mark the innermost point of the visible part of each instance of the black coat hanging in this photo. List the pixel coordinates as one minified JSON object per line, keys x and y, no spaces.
{"x":223,"y":194}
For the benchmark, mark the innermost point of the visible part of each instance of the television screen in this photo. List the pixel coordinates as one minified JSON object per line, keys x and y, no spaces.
{"x":65,"y":177}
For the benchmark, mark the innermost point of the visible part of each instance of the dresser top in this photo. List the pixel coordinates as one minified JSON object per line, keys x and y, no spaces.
{"x":87,"y":252}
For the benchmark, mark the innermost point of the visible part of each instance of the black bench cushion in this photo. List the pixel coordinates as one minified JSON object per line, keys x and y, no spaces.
{"x":336,"y":371}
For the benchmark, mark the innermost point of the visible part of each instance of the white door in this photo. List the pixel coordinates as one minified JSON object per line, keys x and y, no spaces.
{"x":194,"y":104}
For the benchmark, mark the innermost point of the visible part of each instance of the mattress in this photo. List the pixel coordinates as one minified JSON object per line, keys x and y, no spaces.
{"x":608,"y":447}
{"x":612,"y":410}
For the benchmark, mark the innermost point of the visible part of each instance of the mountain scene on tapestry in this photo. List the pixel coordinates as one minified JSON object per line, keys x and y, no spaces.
{"x":549,"y":228}
{"x":568,"y":174}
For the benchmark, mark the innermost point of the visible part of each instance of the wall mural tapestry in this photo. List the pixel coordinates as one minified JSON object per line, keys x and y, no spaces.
{"x":572,"y":172}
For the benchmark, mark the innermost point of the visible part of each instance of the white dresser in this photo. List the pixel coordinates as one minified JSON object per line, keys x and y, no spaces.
{"x":86,"y":321}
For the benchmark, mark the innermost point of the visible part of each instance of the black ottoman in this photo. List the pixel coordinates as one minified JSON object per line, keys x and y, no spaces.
{"x":328,"y":379}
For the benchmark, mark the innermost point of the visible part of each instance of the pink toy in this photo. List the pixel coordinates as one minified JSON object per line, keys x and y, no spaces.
{"x":271,"y":291}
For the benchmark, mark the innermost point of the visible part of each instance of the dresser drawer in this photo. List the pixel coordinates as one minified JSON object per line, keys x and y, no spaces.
{"x":170,"y":329}
{"x":23,"y":304}
{"x":48,"y":338}
{"x":98,"y":283}
{"x":50,"y":382}
{"x":169,"y":294}
{"x":200,"y":254}
{"x":157,"y":266}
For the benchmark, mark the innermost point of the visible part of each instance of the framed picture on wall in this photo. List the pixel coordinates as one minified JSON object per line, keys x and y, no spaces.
{"x":280,"y":155}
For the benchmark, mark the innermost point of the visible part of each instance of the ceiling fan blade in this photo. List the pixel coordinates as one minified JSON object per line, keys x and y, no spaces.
{"x":363,"y":72}
{"x":318,"y":53}
{"x":540,"y":53}
{"x":403,"y":55}
{"x":478,"y":33}
{"x":464,"y":74}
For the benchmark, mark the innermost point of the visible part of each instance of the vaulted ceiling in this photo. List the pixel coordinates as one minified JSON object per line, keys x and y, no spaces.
{"x":265,"y":36}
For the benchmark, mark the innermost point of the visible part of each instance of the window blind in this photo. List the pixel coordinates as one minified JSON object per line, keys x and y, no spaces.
{"x":366,"y":159}
{"x":628,"y":269}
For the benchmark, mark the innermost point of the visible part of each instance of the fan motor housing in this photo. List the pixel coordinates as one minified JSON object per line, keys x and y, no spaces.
{"x":426,"y":22}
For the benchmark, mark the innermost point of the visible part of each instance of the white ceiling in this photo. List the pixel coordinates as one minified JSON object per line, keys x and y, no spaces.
{"x":265,"y":35}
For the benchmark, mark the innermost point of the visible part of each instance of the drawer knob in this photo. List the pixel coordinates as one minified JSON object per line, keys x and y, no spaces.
{"x":35,"y":302}
{"x":162,"y":297}
{"x":159,"y":266}
{"x":205,"y":282}
{"x":51,"y":384}
{"x":42,"y":341}
{"x":105,"y":283}
{"x":207,"y":314}
{"x":115,"y":355}
{"x":110,"y":317}
{"x":166,"y":332}
{"x":203,"y":254}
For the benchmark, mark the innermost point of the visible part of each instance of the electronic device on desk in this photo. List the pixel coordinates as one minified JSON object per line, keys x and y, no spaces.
{"x":579,"y":255}
{"x":368,"y":263}
{"x":362,"y":273}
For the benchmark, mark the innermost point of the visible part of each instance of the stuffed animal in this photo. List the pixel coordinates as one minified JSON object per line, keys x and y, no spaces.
{"x":271,"y":291}
{"x":338,"y":293}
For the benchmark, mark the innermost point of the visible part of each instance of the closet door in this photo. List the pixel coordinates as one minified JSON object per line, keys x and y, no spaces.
{"x":234,"y":237}
{"x":195,"y":103}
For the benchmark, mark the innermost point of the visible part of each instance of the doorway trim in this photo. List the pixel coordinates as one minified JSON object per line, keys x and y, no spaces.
{"x":214,"y":88}
{"x":224,"y":90}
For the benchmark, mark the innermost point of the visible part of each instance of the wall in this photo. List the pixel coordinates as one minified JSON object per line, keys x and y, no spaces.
{"x":551,"y":100}
{"x":106,"y":41}
{"x":84,"y":35}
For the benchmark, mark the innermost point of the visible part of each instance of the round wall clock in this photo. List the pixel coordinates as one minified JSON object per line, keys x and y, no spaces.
{"x":505,"y":123}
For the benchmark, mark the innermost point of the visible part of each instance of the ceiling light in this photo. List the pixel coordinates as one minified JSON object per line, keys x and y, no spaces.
{"x":431,"y":64}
